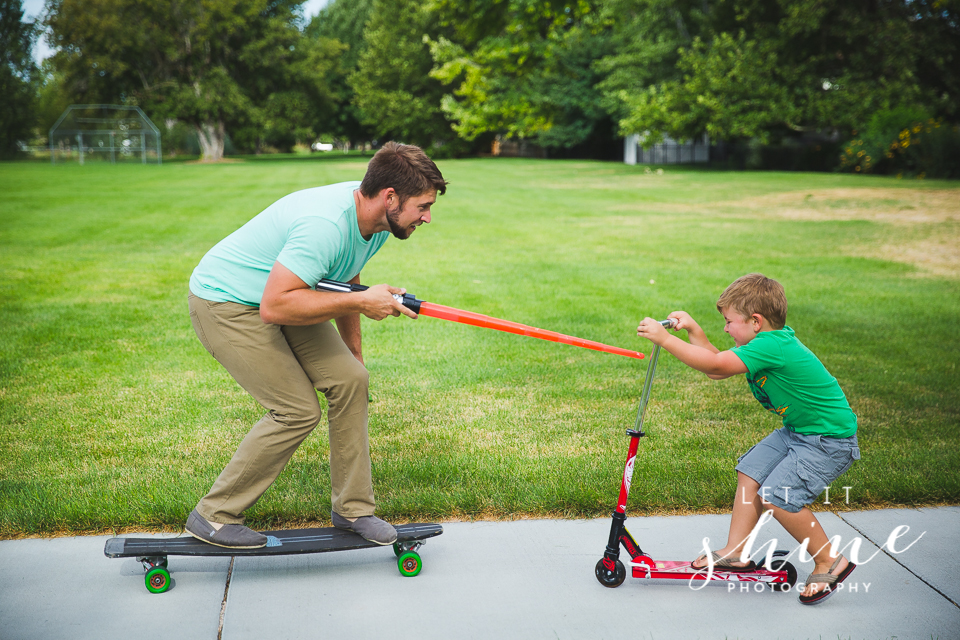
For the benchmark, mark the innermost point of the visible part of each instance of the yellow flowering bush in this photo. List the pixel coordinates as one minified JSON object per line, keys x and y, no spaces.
{"x":855,"y":158}
{"x":904,"y":142}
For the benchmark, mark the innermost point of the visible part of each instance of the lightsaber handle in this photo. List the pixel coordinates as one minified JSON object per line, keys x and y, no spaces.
{"x":341,"y":287}
{"x":648,"y":381}
{"x":408,"y":300}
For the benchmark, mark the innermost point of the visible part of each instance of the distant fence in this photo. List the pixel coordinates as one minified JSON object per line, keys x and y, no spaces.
{"x":803,"y":154}
{"x":512,"y":148}
{"x":669,"y":151}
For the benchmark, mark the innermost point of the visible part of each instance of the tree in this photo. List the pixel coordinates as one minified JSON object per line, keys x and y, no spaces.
{"x":52,"y":98}
{"x":344,"y":21}
{"x":645,"y":41}
{"x":18,"y":77}
{"x":396,"y":96}
{"x":213,"y":64}
{"x":524,"y":68}
{"x":762,"y":69}
{"x":297,"y":102}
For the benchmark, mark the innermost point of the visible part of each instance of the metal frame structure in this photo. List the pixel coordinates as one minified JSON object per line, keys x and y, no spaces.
{"x":95,"y":133}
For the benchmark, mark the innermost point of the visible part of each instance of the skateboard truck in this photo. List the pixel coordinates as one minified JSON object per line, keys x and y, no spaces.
{"x":407,"y":557}
{"x":156,"y":574}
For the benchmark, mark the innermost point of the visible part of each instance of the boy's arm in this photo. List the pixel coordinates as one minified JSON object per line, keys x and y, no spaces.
{"x":686,"y":322}
{"x":703,"y":357}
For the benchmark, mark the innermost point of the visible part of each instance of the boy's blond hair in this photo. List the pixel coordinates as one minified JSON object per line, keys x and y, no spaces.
{"x":756,"y":293}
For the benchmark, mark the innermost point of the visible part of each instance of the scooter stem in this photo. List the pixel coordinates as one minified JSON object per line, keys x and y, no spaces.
{"x":648,"y":381}
{"x":618,"y":532}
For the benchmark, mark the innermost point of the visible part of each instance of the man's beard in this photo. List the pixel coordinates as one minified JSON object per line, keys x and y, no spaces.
{"x":393,"y":218}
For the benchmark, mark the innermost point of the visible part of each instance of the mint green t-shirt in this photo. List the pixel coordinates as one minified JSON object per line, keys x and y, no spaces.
{"x":314,"y":233}
{"x":789,"y":380}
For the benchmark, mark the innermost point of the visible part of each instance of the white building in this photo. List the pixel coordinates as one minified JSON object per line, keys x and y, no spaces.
{"x":669,"y":151}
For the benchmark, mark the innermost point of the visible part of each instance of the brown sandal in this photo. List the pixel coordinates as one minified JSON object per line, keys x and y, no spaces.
{"x":724,"y":564}
{"x":828,"y":579}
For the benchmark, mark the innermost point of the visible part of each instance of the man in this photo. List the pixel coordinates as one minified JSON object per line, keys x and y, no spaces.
{"x":254,"y":308}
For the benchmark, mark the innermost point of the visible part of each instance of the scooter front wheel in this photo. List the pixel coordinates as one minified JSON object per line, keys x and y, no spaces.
{"x":611,"y":578}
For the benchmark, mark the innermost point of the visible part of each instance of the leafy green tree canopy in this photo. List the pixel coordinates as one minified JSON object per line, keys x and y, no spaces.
{"x":396,"y":96}
{"x":18,"y":77}
{"x":757,"y":67}
{"x":524,"y":68}
{"x":344,"y":21}
{"x":552,"y":70}
{"x":209,"y":63}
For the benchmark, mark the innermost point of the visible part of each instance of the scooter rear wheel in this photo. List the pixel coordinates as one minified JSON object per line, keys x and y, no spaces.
{"x":610,"y":578}
{"x":782,"y":565}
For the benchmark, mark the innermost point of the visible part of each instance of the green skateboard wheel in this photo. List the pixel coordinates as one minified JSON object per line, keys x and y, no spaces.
{"x":409,"y":563}
{"x":157,"y":579}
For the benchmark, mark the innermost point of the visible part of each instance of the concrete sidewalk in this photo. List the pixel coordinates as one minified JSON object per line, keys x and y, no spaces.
{"x":523,"y":579}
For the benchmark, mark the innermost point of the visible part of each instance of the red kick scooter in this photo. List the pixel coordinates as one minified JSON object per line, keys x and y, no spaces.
{"x":779,"y":574}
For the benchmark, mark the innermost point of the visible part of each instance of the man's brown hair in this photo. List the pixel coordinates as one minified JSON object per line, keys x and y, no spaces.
{"x":756,"y":293}
{"x":404,"y":167}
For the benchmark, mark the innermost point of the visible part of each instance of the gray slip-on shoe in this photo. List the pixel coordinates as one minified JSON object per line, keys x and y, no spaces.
{"x":369,"y":528}
{"x":230,"y":536}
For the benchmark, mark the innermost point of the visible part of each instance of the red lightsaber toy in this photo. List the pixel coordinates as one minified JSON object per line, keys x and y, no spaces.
{"x":424,"y":308}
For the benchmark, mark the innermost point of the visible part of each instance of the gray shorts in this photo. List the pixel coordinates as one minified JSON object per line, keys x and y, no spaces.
{"x":793,"y":469}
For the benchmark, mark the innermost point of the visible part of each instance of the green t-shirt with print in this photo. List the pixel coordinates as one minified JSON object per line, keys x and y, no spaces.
{"x":788,"y":379}
{"x":314,"y":233}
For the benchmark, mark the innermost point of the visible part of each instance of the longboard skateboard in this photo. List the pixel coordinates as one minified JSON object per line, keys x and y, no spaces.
{"x":153,"y":552}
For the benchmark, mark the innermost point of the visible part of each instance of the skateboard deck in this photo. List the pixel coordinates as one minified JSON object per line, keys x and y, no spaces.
{"x":153,"y":552}
{"x":288,"y":542}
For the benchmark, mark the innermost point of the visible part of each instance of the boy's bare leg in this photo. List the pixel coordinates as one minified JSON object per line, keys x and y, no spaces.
{"x":803,"y":525}
{"x":747,"y":508}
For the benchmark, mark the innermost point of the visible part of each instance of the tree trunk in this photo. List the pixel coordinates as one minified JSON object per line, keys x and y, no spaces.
{"x":211,"y":136}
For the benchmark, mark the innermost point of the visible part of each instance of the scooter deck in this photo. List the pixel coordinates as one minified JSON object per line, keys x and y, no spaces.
{"x":673,"y":570}
{"x":288,"y":542}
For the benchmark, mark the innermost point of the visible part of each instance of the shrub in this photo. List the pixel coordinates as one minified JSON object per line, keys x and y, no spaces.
{"x":905,"y":142}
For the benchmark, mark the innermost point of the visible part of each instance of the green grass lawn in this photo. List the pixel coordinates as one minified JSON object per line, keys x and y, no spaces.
{"x":112,"y":415}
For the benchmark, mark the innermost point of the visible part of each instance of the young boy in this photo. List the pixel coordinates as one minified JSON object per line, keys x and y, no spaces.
{"x":788,"y":469}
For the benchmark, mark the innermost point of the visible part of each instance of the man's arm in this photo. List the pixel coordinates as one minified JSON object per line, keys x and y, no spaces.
{"x":349,"y":328}
{"x":288,"y":300}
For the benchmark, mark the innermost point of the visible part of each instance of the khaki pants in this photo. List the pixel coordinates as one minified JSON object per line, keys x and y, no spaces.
{"x":282,"y":368}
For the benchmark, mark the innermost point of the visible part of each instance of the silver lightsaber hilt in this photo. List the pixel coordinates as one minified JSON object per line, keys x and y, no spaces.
{"x":408,"y":300}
